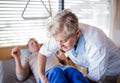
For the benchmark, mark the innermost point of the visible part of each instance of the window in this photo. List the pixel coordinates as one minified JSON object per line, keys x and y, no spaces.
{"x":20,"y":20}
{"x":93,"y":12}
{"x":23,"y":19}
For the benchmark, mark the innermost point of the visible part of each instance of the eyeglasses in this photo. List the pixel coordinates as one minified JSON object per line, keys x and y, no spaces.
{"x":67,"y":39}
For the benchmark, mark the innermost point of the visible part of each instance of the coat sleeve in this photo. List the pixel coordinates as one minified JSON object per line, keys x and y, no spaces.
{"x":49,"y":48}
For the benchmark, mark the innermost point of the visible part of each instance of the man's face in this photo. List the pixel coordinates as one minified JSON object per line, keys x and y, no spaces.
{"x":33,"y":46}
{"x":65,"y":43}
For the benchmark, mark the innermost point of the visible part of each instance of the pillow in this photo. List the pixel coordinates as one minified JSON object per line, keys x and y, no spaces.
{"x":24,"y":53}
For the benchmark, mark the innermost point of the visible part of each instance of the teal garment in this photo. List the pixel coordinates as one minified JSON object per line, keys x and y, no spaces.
{"x":77,"y":54}
{"x":80,"y":46}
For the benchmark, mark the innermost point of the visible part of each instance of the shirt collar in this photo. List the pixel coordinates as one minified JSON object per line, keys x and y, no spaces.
{"x":79,"y":48}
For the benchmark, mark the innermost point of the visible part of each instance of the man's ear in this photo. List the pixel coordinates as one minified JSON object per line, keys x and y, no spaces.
{"x":78,"y":32}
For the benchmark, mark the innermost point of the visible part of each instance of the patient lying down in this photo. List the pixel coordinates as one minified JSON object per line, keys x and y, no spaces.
{"x":55,"y":71}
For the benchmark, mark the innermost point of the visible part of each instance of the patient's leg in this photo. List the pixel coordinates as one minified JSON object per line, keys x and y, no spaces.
{"x":74,"y":75}
{"x":56,"y":75}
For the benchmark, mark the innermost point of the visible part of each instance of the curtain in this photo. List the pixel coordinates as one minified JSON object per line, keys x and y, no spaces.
{"x":115,"y":29}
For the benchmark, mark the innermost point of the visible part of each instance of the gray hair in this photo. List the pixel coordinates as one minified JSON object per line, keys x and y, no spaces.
{"x":63,"y":21}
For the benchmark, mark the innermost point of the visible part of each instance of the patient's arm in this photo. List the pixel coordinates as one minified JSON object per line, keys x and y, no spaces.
{"x":16,"y":54}
{"x":21,"y":71}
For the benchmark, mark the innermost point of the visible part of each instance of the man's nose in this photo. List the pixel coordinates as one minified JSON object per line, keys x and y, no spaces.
{"x":60,"y":43}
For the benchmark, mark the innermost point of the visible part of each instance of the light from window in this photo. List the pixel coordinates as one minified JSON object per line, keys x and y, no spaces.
{"x":93,"y":12}
{"x":15,"y":30}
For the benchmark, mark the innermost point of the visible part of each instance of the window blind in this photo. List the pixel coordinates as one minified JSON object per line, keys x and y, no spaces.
{"x":15,"y":29}
{"x":93,"y":12}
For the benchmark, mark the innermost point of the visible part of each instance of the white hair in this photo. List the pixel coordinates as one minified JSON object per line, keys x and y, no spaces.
{"x":63,"y":21}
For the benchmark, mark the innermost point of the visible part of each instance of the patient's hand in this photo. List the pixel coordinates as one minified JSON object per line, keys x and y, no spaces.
{"x":16,"y":52}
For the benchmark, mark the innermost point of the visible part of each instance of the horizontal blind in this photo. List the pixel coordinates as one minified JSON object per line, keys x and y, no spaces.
{"x":16,"y":30}
{"x":93,"y":12}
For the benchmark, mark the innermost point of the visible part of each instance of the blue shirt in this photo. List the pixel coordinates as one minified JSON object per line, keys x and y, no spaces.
{"x":77,"y":54}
